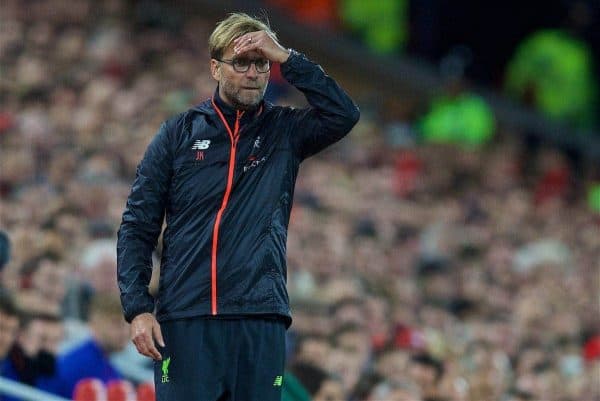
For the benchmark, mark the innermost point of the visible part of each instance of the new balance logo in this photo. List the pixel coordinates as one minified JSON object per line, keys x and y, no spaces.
{"x":278,"y":381}
{"x":201,"y":144}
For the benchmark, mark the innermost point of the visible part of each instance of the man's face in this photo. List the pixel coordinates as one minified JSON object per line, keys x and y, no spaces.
{"x":422,"y":374}
{"x":314,"y":351}
{"x":110,"y":330}
{"x":41,"y":334}
{"x":8,"y":332}
{"x":243,"y":90}
{"x":355,"y":343}
{"x":392,"y":365}
{"x":50,"y":280}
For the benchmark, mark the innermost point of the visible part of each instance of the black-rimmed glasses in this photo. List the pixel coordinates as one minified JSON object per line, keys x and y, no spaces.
{"x":243,"y":64}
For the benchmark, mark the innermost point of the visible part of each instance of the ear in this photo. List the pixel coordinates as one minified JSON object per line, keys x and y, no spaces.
{"x":215,"y":69}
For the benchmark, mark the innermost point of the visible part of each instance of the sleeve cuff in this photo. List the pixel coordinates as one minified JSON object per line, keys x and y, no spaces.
{"x":292,"y":57}
{"x":130,"y":313}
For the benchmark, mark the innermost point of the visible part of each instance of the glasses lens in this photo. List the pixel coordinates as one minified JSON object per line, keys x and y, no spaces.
{"x":262,"y":65}
{"x":241,"y":64}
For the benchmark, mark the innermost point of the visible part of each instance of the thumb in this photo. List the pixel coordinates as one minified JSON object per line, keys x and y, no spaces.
{"x":158,"y":334}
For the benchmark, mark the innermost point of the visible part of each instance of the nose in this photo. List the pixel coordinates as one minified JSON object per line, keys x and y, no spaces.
{"x":252,"y":72}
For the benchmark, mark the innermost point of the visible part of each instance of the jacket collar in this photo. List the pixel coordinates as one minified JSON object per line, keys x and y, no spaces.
{"x":229,"y":112}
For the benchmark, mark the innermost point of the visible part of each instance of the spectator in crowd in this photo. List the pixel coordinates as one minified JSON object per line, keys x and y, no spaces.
{"x":90,"y":359}
{"x":391,"y":364}
{"x":427,"y":373}
{"x":553,"y":71}
{"x":312,"y":348}
{"x":93,"y":275}
{"x":352,"y":346}
{"x":458,"y":117}
{"x":43,"y":284}
{"x":32,"y":358}
{"x":382,"y":25}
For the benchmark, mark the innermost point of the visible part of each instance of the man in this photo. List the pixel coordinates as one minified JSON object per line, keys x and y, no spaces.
{"x":427,"y":372}
{"x":90,"y":358}
{"x":43,"y":286}
{"x":31,"y":359}
{"x":224,"y":174}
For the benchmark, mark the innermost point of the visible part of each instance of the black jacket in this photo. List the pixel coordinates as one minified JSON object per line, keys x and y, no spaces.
{"x":227,"y":194}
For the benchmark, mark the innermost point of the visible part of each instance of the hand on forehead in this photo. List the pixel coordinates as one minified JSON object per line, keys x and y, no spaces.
{"x":230,"y":54}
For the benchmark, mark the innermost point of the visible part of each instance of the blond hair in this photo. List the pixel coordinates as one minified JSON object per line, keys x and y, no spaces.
{"x":236,"y":25}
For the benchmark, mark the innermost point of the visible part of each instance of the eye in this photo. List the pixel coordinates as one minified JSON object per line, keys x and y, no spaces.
{"x":241,"y":62}
{"x":262,"y":63}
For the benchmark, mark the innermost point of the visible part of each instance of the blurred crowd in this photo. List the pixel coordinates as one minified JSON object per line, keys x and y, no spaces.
{"x":545,"y":55}
{"x":416,"y":272}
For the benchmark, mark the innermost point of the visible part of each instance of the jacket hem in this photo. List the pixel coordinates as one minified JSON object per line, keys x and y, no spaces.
{"x":223,"y":313}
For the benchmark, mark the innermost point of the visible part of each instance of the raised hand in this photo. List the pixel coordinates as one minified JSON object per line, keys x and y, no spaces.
{"x":263,"y":43}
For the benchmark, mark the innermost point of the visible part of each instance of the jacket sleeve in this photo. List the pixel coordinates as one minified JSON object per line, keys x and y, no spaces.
{"x":141,"y":225}
{"x":331,"y":114}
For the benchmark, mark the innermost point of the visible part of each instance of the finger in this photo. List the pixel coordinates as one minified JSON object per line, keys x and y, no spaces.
{"x":248,"y":47}
{"x":149,"y":351}
{"x":150,"y":347}
{"x":141,"y":348}
{"x":242,"y":40}
{"x":158,"y":334}
{"x":154,"y":353}
{"x":248,"y":37}
{"x":242,"y":47}
{"x":145,"y":345}
{"x":247,"y":43}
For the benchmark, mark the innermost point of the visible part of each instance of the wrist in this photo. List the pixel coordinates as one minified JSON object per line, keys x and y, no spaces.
{"x":285,"y":55}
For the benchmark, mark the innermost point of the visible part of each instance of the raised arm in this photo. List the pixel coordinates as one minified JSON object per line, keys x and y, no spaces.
{"x":331,"y":114}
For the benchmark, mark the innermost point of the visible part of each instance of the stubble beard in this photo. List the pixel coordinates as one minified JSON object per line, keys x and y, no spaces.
{"x":241,"y":102}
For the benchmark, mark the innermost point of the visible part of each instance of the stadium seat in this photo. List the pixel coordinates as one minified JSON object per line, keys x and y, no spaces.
{"x":120,"y":390}
{"x":145,"y":392}
{"x":89,"y":390}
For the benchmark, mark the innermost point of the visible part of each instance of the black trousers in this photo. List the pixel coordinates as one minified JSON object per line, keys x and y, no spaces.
{"x":221,"y":360}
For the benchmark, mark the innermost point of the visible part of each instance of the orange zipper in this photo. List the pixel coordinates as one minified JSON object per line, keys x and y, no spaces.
{"x":233,"y":137}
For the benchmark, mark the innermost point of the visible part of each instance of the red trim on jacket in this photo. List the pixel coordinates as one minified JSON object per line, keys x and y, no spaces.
{"x":233,"y":137}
